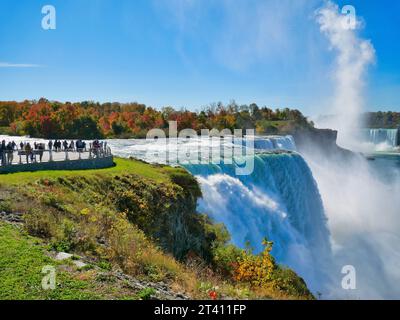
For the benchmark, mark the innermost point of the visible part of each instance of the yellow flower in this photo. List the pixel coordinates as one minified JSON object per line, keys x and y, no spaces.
{"x":85,"y":211}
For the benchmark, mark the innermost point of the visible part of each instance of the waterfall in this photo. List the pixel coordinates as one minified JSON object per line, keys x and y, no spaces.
{"x":274,"y":143}
{"x":156,"y":151}
{"x":389,"y":137}
{"x":279,"y":200}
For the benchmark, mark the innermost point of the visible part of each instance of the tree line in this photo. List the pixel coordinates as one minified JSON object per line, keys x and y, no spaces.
{"x":385,"y":120}
{"x":93,"y":120}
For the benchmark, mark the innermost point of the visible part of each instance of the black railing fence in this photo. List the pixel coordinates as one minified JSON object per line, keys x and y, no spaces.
{"x":26,"y":155}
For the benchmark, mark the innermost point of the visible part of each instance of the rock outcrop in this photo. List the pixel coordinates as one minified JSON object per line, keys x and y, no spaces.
{"x":320,"y":139}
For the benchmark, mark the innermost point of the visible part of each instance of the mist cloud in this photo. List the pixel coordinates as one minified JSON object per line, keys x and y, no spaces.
{"x":354,"y":55}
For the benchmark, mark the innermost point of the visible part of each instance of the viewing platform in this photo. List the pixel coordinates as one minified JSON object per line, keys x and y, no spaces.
{"x":38,"y":160}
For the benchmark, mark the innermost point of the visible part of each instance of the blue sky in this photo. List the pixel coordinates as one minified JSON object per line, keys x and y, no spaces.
{"x":189,"y":53}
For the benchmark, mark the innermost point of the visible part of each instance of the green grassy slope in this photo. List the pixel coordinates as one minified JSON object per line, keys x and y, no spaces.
{"x":134,"y":218}
{"x":142,"y":169}
{"x":22,"y":259}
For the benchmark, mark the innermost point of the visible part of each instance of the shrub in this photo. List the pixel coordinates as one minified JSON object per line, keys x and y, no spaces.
{"x":61,"y":246}
{"x":51,"y":201}
{"x":226,"y":258}
{"x":105,"y":265}
{"x":5,"y":206}
{"x":186,"y":181}
{"x":288,"y":281}
{"x":262,"y":272}
{"x":256,"y":269}
{"x":146,"y":294}
{"x":41,"y":223}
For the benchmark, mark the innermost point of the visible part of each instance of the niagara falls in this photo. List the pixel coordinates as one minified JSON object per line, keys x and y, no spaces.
{"x":214,"y":158}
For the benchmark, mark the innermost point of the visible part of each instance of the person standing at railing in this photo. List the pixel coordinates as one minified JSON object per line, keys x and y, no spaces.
{"x":10,"y":152}
{"x":80,"y":146}
{"x":96,"y":148}
{"x":41,"y":147}
{"x":28,"y":152}
{"x":65,"y":145}
{"x":21,"y":145}
{"x":3,"y":151}
{"x":50,"y":145}
{"x":57,"y":145}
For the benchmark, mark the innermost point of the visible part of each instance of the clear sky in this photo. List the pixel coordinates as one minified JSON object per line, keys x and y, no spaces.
{"x":189,"y":53}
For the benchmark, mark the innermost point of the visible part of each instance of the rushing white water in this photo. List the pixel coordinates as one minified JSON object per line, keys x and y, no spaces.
{"x":280,"y":201}
{"x":362,"y":207}
{"x":360,"y":197}
{"x":289,"y":204}
{"x":157,"y":150}
{"x":380,"y":139}
{"x":384,"y":135}
{"x":275,"y":143}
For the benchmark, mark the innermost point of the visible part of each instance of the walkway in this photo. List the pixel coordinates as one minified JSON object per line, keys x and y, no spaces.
{"x":93,"y":158}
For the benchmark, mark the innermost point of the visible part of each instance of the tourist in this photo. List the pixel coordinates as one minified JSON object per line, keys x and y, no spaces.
{"x":10,"y":153}
{"x":41,"y":148}
{"x":50,"y":145}
{"x":57,"y":145}
{"x":71,"y":145}
{"x":96,"y":148}
{"x":80,"y":145}
{"x":65,"y":145}
{"x":28,"y":152}
{"x":21,"y":145}
{"x":3,"y":150}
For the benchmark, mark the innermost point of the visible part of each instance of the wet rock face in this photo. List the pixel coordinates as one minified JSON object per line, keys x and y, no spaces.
{"x":323,"y":138}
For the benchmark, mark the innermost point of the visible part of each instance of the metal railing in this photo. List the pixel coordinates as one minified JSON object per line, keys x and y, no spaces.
{"x":19,"y":156}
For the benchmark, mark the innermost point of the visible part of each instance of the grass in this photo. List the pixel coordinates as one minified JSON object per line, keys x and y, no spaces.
{"x":277,"y":123}
{"x":157,"y":173}
{"x":72,"y":210}
{"x":22,"y":259}
{"x":133,"y":217}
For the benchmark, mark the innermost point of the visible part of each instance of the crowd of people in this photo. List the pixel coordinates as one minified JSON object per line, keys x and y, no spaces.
{"x":58,"y":145}
{"x":7,"y":152}
{"x":30,"y":151}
